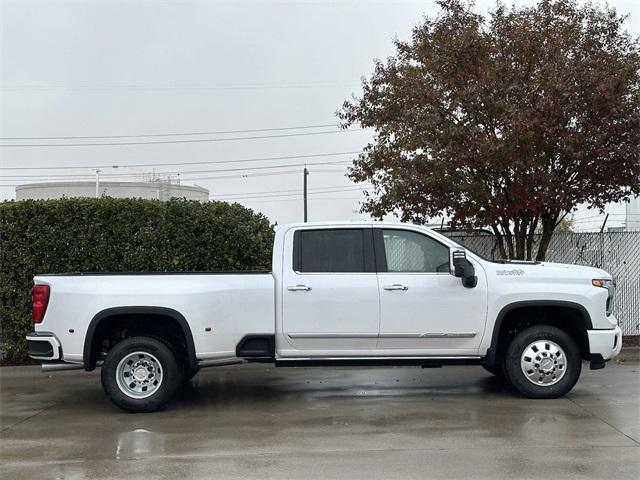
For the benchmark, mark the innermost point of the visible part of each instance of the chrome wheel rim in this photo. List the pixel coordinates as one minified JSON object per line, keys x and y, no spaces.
{"x":139,"y":375}
{"x":543,"y":363}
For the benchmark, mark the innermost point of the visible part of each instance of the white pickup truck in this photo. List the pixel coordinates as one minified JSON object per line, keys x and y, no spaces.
{"x":339,"y":294}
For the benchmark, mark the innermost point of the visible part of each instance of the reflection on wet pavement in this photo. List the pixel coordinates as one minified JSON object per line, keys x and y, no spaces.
{"x":256,"y":421}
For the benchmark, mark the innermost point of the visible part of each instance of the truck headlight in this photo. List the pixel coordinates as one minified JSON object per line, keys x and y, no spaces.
{"x":603,"y":282}
{"x":609,"y":284}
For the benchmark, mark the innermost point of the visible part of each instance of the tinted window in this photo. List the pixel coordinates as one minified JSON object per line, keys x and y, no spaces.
{"x":340,"y":250}
{"x":408,"y":251}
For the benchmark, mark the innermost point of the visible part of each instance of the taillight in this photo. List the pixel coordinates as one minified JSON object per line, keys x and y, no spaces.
{"x":40,"y":297}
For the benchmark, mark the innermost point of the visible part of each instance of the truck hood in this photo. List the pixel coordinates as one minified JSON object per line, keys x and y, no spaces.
{"x":593,"y":270}
{"x":534,"y":267}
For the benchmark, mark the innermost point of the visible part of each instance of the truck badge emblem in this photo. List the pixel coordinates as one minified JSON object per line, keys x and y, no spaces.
{"x":516,"y":271}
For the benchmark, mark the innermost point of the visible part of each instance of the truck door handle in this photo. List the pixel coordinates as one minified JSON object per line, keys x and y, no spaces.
{"x":298,"y":288}
{"x":396,"y":286}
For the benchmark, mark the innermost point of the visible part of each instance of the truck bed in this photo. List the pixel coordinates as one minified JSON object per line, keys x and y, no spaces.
{"x":220,"y":306}
{"x":99,"y":274}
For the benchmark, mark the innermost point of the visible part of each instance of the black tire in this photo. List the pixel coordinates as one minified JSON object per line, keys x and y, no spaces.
{"x":167,"y":370}
{"x":568,"y":373}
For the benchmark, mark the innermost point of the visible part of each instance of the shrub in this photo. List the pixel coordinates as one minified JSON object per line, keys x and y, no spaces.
{"x":117,"y":235}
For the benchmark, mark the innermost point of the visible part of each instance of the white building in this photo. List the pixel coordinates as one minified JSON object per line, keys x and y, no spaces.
{"x":633,"y":214}
{"x":160,"y":190}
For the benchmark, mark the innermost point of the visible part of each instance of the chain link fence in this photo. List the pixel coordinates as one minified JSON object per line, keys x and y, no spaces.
{"x":616,"y":252}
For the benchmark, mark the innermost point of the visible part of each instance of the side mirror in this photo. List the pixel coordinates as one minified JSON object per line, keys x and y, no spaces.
{"x":463,"y":268}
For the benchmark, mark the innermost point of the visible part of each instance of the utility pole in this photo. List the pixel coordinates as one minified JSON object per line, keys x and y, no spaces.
{"x":305,"y":175}
{"x":98,"y":183}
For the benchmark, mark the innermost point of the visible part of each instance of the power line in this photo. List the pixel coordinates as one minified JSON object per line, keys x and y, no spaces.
{"x":599,"y":218}
{"x":218,"y":177}
{"x":163,"y":142}
{"x":120,"y":175}
{"x":296,"y":199}
{"x":297,"y":195}
{"x":172,"y":164}
{"x":286,"y":193}
{"x":134,"y":175}
{"x":81,"y":176}
{"x":266,"y":167}
{"x":203,"y":86}
{"x":219,"y":132}
{"x":251,"y":175}
{"x":271,"y":166}
{"x":313,"y":189}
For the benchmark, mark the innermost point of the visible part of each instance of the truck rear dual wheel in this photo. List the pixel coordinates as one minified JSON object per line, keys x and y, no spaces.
{"x":140,"y":374}
{"x":542,"y":362}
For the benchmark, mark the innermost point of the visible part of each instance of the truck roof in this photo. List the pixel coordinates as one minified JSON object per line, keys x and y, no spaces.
{"x":349,"y":223}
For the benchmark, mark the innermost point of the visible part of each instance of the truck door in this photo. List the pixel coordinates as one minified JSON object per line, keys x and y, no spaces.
{"x":424,"y":309}
{"x":330,"y":299}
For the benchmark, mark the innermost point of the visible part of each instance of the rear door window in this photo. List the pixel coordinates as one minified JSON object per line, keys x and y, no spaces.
{"x":343,"y":250}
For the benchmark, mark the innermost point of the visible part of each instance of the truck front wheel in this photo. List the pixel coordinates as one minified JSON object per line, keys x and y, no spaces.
{"x":543,"y":362}
{"x":140,"y":374}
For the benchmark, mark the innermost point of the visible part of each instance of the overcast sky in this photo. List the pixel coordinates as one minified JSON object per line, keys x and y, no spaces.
{"x":99,"y":68}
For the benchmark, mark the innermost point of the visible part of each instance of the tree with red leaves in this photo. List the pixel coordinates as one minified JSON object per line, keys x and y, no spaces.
{"x":508,"y":121}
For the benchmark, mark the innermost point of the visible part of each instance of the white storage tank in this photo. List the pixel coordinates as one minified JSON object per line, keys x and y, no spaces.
{"x":160,"y":190}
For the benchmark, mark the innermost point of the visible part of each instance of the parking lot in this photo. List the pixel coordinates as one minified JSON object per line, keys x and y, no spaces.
{"x":259,"y":422}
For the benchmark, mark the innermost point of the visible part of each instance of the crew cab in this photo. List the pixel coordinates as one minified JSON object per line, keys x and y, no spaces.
{"x":360,"y":294}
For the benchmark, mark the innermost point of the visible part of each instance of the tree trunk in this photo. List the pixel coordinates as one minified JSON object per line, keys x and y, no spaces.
{"x":520,"y":234}
{"x":499,"y":240}
{"x":508,"y":237}
{"x":548,"y":225}
{"x":531,"y":236}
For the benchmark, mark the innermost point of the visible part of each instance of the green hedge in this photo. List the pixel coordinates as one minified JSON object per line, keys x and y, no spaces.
{"x":117,"y":235}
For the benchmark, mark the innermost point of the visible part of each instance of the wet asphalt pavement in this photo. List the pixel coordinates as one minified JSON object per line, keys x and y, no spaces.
{"x":256,"y":421}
